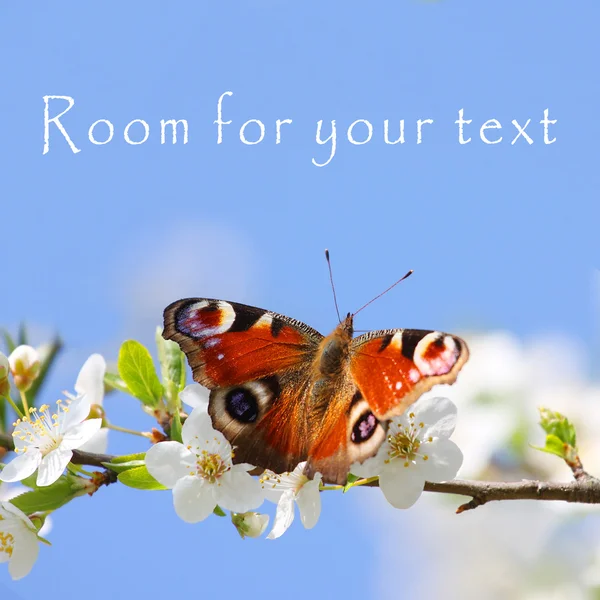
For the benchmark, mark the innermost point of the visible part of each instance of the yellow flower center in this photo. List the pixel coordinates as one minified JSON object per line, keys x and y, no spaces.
{"x":210,"y":466}
{"x":405,"y":443}
{"x":7,"y":541}
{"x":41,"y":428}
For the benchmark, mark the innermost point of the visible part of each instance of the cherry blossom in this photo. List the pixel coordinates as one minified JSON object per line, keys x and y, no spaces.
{"x":288,"y":488}
{"x":201,"y":472}
{"x":45,"y":440}
{"x":19,"y":544}
{"x":416,"y":450}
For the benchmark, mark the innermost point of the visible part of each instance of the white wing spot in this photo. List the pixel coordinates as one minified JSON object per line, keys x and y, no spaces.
{"x":264,"y":321}
{"x":398,"y":385}
{"x":221,"y":356}
{"x":396,"y":341}
{"x":414,"y":375}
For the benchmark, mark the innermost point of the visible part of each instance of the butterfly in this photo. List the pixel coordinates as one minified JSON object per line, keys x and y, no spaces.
{"x":282,"y":393}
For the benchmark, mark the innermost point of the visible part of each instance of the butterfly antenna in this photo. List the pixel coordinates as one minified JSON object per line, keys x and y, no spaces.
{"x":337,"y":310}
{"x":385,"y":291}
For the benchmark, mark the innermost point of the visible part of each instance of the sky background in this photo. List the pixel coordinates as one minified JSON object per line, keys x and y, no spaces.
{"x":98,"y":243}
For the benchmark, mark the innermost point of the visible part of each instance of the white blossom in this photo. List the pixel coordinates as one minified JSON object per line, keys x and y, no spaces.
{"x":46,"y":441}
{"x":416,"y":450}
{"x":288,"y":488}
{"x":195,"y":396}
{"x":19,"y":544}
{"x":10,"y":491}
{"x":201,"y":472}
{"x":90,"y":382}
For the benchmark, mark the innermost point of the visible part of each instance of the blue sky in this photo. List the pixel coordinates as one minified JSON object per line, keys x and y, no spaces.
{"x":97,"y":243}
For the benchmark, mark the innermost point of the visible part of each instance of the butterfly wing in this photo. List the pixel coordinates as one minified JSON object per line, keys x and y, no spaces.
{"x":258,"y":367}
{"x":392,"y":368}
{"x":388,"y":371}
{"x":348,"y":432}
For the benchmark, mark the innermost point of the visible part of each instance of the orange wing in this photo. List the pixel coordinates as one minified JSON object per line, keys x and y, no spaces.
{"x":258,"y":365}
{"x":392,"y":368}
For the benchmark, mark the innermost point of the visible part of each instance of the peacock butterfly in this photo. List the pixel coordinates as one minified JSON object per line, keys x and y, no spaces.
{"x":282,"y":393}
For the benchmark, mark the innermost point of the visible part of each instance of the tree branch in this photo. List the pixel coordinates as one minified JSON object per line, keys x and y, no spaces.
{"x":584,"y":490}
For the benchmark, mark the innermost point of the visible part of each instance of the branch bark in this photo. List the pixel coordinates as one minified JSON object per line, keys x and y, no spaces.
{"x":584,"y":490}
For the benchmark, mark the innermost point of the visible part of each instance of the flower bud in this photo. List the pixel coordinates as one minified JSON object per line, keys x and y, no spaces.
{"x":250,"y":524}
{"x":25,"y":366}
{"x":4,"y":370}
{"x":96,"y":412}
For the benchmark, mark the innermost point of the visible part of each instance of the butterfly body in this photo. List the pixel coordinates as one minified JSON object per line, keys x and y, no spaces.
{"x":282,"y":393}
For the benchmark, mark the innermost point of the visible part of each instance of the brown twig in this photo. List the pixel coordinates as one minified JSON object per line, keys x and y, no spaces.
{"x":580,"y":491}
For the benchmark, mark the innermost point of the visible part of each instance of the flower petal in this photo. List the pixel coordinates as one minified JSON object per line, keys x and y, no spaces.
{"x":22,"y":466}
{"x":53,"y":465}
{"x":193,"y":499}
{"x":78,"y":435}
{"x":198,"y":429}
{"x":284,"y":515}
{"x":239,"y":492}
{"x":271,"y":494}
{"x":24,"y":555}
{"x":168,"y":462}
{"x":10,"y":511}
{"x":309,"y":502}
{"x":401,"y":485}
{"x":444,"y":460}
{"x":76,"y":412}
{"x":90,"y":380}
{"x":196,"y":396}
{"x":438,"y":415}
{"x":98,"y":443}
{"x":371,"y":466}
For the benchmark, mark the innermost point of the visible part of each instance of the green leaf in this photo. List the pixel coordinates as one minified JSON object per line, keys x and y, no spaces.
{"x":123,"y":463}
{"x":112,"y":381}
{"x":47,"y":498}
{"x":554,"y":446}
{"x":172,"y":368}
{"x":8,"y":341}
{"x":219,"y":511}
{"x":128,"y":458}
{"x":554,"y":423}
{"x":140,"y":479}
{"x":137,"y":371}
{"x":22,"y":335}
{"x":176,"y":428}
{"x":3,"y":404}
{"x":124,"y":466}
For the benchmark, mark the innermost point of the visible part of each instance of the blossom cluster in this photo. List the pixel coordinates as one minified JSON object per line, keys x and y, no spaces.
{"x":195,"y":461}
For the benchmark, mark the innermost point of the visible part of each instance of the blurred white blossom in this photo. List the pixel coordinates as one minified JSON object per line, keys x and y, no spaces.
{"x":25,"y":366}
{"x":522,"y":550}
{"x":4,"y":371}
